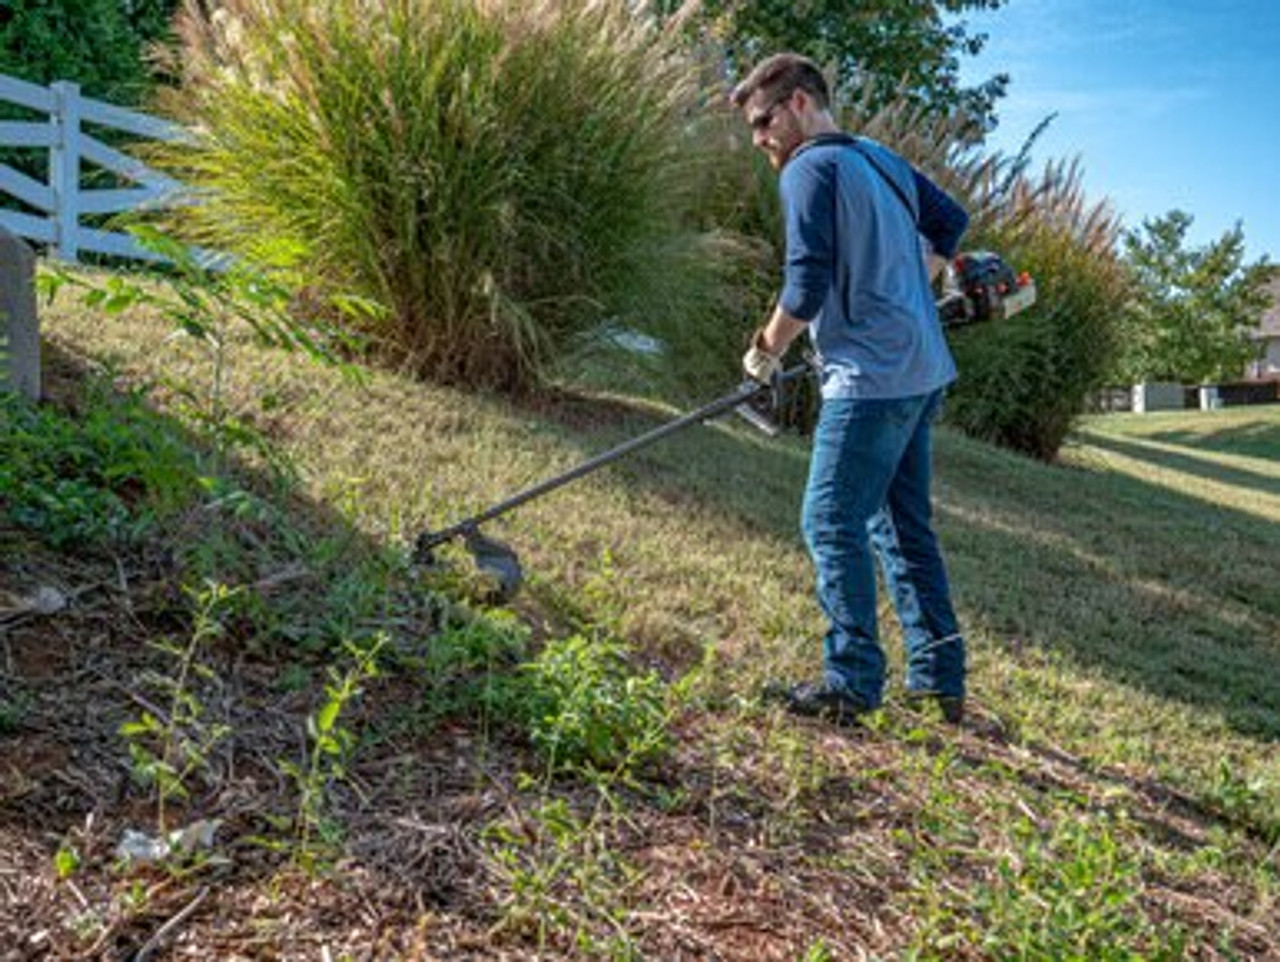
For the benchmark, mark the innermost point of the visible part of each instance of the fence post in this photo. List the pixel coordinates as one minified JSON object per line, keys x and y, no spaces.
{"x":19,"y":322}
{"x":64,"y":169}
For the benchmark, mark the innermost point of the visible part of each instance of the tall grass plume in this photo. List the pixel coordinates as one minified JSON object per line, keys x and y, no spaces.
{"x":503,"y":177}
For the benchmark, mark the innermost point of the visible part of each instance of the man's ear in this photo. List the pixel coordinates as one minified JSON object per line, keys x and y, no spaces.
{"x":806,"y":108}
{"x":804,"y":103}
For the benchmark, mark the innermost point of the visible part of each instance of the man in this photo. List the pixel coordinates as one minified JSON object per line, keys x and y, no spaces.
{"x":856,"y":279}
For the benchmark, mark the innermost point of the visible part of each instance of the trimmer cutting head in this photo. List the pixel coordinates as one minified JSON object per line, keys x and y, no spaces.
{"x":492,"y":557}
{"x":497,"y":560}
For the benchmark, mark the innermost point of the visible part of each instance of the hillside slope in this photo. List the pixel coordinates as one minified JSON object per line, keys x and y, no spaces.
{"x":1116,"y":792}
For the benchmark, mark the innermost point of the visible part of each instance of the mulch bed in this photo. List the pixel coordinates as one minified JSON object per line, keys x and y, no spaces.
{"x":443,"y":844}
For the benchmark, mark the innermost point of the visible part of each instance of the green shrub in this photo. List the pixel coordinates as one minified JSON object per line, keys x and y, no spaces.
{"x":93,"y":479}
{"x":589,"y":710}
{"x":1025,"y":381}
{"x":503,"y":176}
{"x":99,"y":44}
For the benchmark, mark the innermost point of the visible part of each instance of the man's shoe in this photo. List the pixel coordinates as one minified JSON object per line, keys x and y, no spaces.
{"x":951,"y":706}
{"x":818,"y":700}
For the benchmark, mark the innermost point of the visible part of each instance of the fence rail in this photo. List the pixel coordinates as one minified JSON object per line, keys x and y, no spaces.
{"x":61,"y":200}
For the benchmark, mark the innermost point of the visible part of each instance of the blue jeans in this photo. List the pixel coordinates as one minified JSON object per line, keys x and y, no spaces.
{"x":869,"y":480}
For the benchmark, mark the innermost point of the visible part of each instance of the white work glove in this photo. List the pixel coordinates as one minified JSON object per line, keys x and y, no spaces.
{"x":759,"y":364}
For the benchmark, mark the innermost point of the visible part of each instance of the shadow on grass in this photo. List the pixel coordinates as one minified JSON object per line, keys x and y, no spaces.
{"x":1250,"y":440}
{"x":1194,"y":464}
{"x":71,"y":677}
{"x":1161,"y":591}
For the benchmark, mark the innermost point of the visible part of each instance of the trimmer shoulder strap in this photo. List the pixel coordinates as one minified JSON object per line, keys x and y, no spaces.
{"x":857,"y":144}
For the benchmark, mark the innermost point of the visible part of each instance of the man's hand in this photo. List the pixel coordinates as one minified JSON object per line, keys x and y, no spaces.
{"x":760,"y":365}
{"x":769,"y":345}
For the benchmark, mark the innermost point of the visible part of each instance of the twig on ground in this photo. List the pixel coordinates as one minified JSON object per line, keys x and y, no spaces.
{"x":169,"y":927}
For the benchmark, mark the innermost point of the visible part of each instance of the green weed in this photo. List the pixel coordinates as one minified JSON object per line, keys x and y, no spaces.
{"x":331,"y":745}
{"x":820,"y":951}
{"x":66,"y":861}
{"x":91,"y":480}
{"x":564,"y":884}
{"x":1072,"y":892}
{"x":467,"y":669}
{"x":13,"y":709}
{"x":1246,"y":798}
{"x":207,"y":307}
{"x":591,"y":711}
{"x":169,"y":746}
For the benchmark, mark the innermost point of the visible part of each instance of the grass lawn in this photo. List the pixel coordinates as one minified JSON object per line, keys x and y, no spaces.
{"x":1115,"y":792}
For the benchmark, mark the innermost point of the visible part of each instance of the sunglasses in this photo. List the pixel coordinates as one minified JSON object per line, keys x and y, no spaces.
{"x":762,"y":120}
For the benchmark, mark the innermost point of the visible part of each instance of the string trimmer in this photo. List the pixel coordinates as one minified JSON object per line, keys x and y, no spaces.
{"x":980,"y":287}
{"x":755,"y":402}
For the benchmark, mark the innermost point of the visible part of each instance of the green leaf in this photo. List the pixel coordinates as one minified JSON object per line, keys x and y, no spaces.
{"x":328,"y":716}
{"x":66,"y":861}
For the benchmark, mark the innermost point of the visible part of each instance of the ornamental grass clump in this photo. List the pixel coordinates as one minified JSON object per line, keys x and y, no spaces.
{"x":502,"y":177}
{"x":1026,"y":381}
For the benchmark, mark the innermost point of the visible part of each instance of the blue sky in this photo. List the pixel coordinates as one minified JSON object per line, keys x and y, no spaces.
{"x":1167,"y":104}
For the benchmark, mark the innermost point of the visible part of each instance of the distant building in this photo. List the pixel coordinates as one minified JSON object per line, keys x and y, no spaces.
{"x":1267,"y":336}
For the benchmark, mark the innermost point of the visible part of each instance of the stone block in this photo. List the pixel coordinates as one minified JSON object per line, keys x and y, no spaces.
{"x":19,"y":321}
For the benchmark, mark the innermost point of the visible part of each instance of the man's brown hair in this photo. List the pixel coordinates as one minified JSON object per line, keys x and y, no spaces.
{"x":781,"y":75}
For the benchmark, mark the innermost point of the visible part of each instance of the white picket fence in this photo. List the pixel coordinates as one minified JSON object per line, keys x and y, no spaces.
{"x":61,"y":200}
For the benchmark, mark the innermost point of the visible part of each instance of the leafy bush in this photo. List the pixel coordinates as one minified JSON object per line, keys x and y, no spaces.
{"x":99,"y":44}
{"x":89,"y":480}
{"x":590,"y":710}
{"x":1023,"y":382}
{"x":503,"y":176}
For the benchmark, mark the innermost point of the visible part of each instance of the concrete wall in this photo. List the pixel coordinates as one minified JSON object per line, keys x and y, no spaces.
{"x":1157,"y":396}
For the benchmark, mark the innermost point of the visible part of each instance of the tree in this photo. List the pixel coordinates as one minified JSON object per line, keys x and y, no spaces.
{"x":906,"y":47}
{"x":1192,"y":308}
{"x":99,"y":44}
{"x":150,"y":20}
{"x":102,"y":45}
